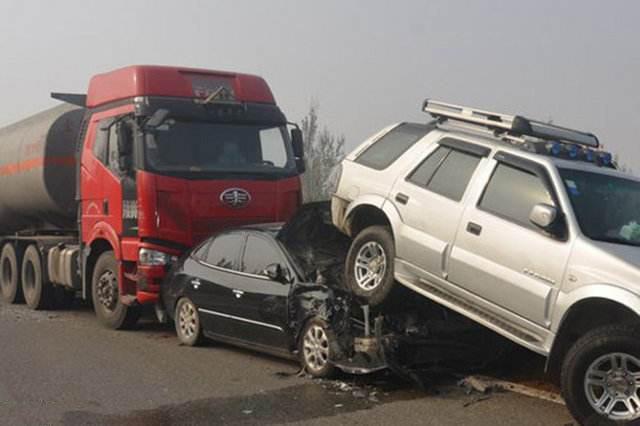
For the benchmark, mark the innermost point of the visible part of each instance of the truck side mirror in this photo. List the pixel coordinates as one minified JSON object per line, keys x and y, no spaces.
{"x":157,"y":118}
{"x":297,"y":141}
{"x":125,"y":146}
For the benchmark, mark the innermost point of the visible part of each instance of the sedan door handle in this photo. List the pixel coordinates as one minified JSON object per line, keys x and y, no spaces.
{"x":474,"y":228}
{"x":196,"y":283}
{"x":402,"y":198}
{"x":238,"y":293}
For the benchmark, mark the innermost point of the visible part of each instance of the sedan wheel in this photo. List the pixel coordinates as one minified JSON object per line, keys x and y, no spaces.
{"x":315,"y":349}
{"x":187,"y":322}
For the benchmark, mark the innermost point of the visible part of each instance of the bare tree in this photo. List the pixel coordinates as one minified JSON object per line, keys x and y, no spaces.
{"x":324,"y":151}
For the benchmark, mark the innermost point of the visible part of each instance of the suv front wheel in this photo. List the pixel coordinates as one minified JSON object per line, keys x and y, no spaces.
{"x":601,"y":376}
{"x":369,"y":266}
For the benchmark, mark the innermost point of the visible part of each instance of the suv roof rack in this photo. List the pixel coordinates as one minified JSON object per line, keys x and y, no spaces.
{"x":514,"y":125}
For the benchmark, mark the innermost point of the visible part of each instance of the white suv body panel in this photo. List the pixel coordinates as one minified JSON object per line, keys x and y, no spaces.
{"x":511,"y":279}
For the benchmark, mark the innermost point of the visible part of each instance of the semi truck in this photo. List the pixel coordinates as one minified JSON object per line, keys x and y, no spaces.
{"x":102,"y":193}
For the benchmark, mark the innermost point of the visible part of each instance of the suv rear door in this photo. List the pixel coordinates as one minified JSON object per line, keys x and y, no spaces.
{"x":430,"y":201}
{"x":499,"y":255}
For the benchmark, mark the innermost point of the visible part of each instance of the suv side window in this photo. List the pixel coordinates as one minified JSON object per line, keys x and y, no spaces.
{"x":258,"y":254}
{"x":224,"y":251}
{"x":446,"y":172}
{"x":511,"y":193}
{"x":388,"y":148}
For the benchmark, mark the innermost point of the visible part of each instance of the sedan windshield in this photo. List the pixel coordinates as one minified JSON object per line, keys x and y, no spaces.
{"x":188,"y":146}
{"x":607,"y":207}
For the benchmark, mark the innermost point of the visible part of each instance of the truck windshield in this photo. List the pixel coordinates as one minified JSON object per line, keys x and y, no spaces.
{"x":195,"y":147}
{"x":607,"y":207}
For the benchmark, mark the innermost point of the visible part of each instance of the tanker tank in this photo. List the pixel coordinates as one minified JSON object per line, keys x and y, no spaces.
{"x":38,"y":167}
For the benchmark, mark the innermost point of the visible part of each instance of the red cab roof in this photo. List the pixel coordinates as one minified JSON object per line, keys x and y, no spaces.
{"x":151,"y":80}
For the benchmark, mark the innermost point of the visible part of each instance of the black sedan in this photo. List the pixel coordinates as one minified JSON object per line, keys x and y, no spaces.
{"x":267,"y":287}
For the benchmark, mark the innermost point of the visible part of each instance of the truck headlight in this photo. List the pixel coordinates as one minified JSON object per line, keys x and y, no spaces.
{"x":148,"y":257}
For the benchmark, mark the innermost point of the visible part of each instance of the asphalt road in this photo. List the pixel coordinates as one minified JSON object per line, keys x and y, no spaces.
{"x":63,"y":368}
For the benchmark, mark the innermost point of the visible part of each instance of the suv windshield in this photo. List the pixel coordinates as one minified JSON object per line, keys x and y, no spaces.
{"x":193,"y":147}
{"x":607,"y":207}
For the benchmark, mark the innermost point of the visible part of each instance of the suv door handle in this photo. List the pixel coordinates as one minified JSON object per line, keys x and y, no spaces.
{"x":402,"y":198}
{"x":474,"y":228}
{"x":238,"y":293}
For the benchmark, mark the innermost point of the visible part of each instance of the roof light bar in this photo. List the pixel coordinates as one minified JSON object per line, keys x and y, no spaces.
{"x":512,"y":124}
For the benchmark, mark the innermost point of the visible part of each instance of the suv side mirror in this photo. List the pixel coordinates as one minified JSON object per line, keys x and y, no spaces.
{"x":544,"y":216}
{"x":275,"y":272}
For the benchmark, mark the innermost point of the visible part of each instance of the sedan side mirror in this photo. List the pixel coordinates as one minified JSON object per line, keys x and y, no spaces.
{"x":544,"y":216}
{"x":275,"y":272}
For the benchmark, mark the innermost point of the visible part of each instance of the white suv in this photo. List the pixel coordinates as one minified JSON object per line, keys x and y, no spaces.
{"x":524,"y":227}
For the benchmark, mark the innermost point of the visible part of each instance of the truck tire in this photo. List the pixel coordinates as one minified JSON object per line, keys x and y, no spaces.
{"x":369,"y":269}
{"x":601,"y":376}
{"x":187,"y":321}
{"x":105,"y":291}
{"x":316,"y":347}
{"x":36,"y":287}
{"x":10,"y":275}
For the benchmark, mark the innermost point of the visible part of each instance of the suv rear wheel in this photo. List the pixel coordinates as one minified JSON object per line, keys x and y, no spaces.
{"x":601,"y":376}
{"x":370,"y":264}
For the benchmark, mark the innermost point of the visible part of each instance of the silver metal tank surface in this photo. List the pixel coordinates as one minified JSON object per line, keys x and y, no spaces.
{"x":38,"y":171}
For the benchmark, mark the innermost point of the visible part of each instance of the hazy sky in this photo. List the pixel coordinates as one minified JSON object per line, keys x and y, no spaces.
{"x":368,"y":63}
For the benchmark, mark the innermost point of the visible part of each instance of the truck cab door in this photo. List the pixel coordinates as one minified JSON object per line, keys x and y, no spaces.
{"x":430,"y":200}
{"x":102,"y":189}
{"x":500,"y":255}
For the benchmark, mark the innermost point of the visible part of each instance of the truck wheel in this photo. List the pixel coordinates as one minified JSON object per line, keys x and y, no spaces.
{"x":187,"y":321}
{"x":601,"y":376}
{"x":109,"y":309}
{"x":370,"y":264}
{"x":10,"y":275}
{"x":36,"y":287}
{"x":315,"y":348}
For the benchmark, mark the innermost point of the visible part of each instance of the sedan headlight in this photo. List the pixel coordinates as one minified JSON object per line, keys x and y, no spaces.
{"x":148,"y":257}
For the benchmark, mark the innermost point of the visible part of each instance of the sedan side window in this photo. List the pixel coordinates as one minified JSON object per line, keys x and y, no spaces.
{"x":225,"y":250}
{"x":258,"y":254}
{"x":512,"y":193}
{"x":446,"y":172}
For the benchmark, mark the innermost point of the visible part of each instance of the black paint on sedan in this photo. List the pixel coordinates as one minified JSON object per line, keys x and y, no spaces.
{"x":265,"y":287}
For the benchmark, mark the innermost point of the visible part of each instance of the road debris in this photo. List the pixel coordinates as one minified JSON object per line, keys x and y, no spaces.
{"x":486,"y":385}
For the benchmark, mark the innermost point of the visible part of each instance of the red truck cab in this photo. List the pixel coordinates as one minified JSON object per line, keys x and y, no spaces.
{"x":169,"y":156}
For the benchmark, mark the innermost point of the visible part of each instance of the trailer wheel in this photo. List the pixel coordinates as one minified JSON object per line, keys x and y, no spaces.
{"x":369,"y":266}
{"x":36,"y":287}
{"x":109,"y":309}
{"x":10,"y":275}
